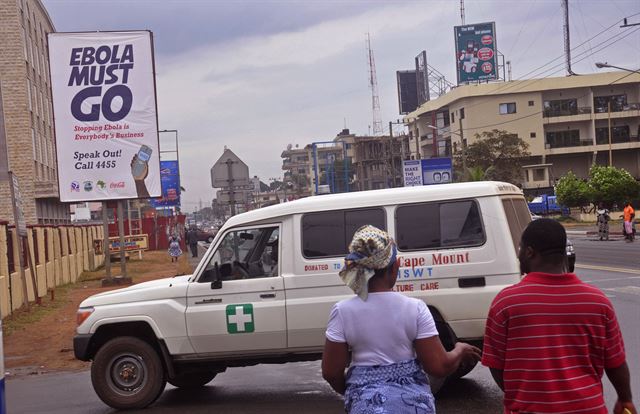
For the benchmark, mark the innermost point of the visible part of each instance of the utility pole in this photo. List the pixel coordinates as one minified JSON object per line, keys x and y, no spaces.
{"x":609,"y":118}
{"x":462,"y":11}
{"x":232,"y":198}
{"x":463,"y":142}
{"x":567,"y":37}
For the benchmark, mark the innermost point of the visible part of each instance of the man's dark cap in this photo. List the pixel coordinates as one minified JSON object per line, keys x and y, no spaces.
{"x":545,"y":236}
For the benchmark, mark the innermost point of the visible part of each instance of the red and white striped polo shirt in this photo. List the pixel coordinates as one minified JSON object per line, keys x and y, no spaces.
{"x":553,"y":336}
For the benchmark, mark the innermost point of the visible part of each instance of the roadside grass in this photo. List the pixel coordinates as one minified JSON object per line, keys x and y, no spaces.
{"x":19,"y":319}
{"x":153,"y":263}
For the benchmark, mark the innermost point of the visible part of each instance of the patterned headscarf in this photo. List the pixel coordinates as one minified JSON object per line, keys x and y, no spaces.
{"x":370,"y":249}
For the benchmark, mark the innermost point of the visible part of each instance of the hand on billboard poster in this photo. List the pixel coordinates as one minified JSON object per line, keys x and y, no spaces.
{"x":140,"y":170}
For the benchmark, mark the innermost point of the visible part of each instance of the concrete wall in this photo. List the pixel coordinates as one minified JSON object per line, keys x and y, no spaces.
{"x":59,"y":255}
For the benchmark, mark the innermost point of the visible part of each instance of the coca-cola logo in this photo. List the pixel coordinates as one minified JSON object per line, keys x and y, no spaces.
{"x":119,"y":184}
{"x":485,"y":53}
{"x":487,"y":39}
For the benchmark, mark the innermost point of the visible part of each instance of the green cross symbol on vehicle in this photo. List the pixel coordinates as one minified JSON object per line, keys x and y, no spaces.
{"x":240,"y":318}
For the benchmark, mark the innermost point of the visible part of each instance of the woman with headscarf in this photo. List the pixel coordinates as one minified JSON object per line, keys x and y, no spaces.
{"x":392,"y":338}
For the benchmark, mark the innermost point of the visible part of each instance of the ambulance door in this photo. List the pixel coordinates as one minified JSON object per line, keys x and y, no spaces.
{"x":237,"y":303}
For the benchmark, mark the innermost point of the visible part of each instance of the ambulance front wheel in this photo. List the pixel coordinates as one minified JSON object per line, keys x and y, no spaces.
{"x":127,"y":373}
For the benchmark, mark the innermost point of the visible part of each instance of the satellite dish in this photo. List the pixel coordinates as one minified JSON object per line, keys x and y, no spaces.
{"x":289,"y":147}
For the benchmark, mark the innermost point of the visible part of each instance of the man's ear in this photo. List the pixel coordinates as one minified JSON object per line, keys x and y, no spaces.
{"x":529,"y":252}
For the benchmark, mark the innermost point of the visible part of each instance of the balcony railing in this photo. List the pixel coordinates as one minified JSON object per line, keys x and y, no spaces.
{"x":566,"y":143}
{"x":548,"y":113}
{"x":615,"y":107}
{"x":602,"y":140}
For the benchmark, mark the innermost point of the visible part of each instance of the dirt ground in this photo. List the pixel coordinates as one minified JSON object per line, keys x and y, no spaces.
{"x":41,"y":340}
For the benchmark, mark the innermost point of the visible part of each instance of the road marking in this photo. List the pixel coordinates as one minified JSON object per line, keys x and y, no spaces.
{"x":632,"y":290}
{"x":613,"y":279}
{"x":608,"y":269}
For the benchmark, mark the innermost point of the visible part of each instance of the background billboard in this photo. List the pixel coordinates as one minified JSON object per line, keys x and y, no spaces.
{"x":407,"y":92}
{"x":106,"y":127}
{"x":422,"y":78}
{"x":170,"y":179}
{"x":476,"y":52}
{"x":427,"y":172}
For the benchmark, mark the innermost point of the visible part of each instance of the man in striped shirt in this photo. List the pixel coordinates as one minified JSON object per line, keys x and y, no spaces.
{"x":550,"y":337}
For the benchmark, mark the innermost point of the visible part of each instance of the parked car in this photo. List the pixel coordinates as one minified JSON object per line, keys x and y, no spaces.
{"x":204,"y":235}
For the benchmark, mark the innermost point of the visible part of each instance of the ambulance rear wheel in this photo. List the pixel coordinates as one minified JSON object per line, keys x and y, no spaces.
{"x":192,"y":380}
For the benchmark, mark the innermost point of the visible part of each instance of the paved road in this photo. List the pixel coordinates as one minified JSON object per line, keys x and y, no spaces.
{"x":294,"y":388}
{"x":615,"y":252}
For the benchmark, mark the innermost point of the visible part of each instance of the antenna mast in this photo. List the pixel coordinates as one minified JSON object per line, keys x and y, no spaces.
{"x":462,"y":11}
{"x":567,"y":37}
{"x":373,"y":84}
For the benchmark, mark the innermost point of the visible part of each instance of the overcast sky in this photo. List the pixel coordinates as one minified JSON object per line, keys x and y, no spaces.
{"x":258,"y":75}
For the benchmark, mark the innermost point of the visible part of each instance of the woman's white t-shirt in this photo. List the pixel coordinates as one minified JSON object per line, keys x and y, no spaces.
{"x":380,"y":330}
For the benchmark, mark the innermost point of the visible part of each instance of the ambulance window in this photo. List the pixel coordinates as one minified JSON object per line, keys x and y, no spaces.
{"x":439,"y":225}
{"x":329,"y":233}
{"x":518,"y":217}
{"x":245,"y":254}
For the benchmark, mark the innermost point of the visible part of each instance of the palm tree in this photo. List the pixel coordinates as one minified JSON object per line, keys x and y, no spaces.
{"x":478,"y":173}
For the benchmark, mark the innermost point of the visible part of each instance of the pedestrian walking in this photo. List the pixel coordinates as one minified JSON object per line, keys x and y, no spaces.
{"x":192,"y":241}
{"x":174,"y":248}
{"x":385,"y":332}
{"x":550,"y":337}
{"x":628,"y":216}
{"x":603,"y":222}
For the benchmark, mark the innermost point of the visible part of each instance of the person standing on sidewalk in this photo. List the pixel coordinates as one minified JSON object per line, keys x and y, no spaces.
{"x":192,"y":241}
{"x":603,"y":222}
{"x":550,"y":337}
{"x":628,"y":215}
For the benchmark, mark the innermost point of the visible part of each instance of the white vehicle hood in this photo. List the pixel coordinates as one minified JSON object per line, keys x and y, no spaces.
{"x":173,"y":287}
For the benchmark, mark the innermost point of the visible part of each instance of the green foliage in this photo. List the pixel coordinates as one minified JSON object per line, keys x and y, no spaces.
{"x":611,"y":185}
{"x":497,"y":154}
{"x":573,"y":191}
{"x":478,"y":173}
{"x":606,"y":185}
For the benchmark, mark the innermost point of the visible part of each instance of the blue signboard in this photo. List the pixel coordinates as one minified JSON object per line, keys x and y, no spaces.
{"x":170,"y":180}
{"x":476,"y":52}
{"x":426,"y":172}
{"x":436,"y":171}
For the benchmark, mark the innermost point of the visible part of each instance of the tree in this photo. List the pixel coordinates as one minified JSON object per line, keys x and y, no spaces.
{"x":611,"y":185}
{"x":478,"y":173}
{"x":606,"y":185}
{"x":499,"y":153}
{"x":573,"y":191}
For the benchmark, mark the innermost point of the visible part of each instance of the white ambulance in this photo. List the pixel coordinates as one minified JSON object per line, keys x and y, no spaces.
{"x":263,"y":291}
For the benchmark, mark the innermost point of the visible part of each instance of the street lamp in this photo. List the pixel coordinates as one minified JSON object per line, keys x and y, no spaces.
{"x":601,"y":65}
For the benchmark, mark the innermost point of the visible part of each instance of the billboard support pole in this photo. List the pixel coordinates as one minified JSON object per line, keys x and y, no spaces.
{"x":105,"y":240}
{"x":123,"y":261}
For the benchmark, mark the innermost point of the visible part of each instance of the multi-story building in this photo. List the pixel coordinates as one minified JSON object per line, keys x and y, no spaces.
{"x":27,"y":112}
{"x":376,"y":161}
{"x":310,"y":167}
{"x":565,"y":120}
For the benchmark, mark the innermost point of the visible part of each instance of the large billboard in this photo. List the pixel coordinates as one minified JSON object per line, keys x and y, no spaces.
{"x":106,"y":127}
{"x":422,"y":78}
{"x":170,"y":179}
{"x":407,"y":92}
{"x":476,"y":52}
{"x":427,"y":171}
